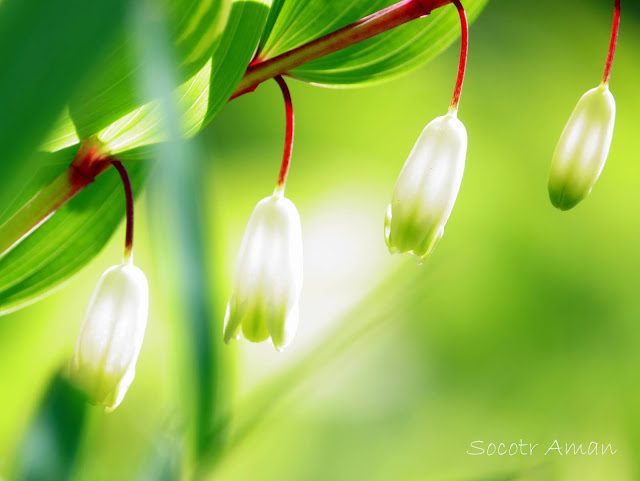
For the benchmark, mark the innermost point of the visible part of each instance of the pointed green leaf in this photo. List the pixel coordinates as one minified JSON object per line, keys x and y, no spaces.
{"x":201,"y":97}
{"x":384,"y":56}
{"x":276,"y":6}
{"x":238,"y":45}
{"x":46,"y":48}
{"x":111,"y":92}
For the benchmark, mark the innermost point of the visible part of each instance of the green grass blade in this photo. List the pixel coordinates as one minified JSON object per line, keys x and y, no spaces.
{"x":50,"y":446}
{"x":178,"y":226}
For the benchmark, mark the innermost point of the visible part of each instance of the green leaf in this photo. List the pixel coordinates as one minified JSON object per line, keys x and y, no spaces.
{"x":276,"y":6}
{"x":46,"y":47}
{"x":144,"y":126}
{"x":195,"y":28}
{"x":201,"y":97}
{"x":384,"y":56}
{"x":239,"y":43}
{"x":51,"y":444}
{"x":67,"y":241}
{"x":62,"y":135}
{"x":46,"y":167}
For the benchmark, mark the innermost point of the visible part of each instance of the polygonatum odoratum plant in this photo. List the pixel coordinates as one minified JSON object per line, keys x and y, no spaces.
{"x":105,"y":115}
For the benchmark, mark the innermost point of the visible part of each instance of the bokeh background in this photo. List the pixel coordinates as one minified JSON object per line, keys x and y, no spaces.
{"x":523,"y":325}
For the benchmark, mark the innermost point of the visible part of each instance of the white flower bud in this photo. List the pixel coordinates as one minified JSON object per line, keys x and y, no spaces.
{"x":427,"y":188}
{"x":111,"y":335}
{"x":264,"y":302}
{"x":583,"y":148}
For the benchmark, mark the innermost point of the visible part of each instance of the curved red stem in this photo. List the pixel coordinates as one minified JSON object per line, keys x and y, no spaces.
{"x":464,"y":48}
{"x":612,"y":43}
{"x":128,"y":191}
{"x":288,"y":138}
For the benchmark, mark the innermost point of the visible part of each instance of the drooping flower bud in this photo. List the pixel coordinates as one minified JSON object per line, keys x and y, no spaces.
{"x":583,"y":148}
{"x":427,"y":188}
{"x":264,"y":302}
{"x":111,"y":335}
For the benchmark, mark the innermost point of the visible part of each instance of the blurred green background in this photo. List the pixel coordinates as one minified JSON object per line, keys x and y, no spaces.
{"x":523,"y":325}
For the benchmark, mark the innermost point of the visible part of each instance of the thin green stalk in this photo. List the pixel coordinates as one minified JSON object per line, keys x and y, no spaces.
{"x":260,"y":404}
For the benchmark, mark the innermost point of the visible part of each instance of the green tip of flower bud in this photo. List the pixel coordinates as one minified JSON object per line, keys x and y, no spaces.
{"x":582,"y":149}
{"x":111,"y":335}
{"x":264,"y":303}
{"x":424,"y":247}
{"x":561,"y":200}
{"x":427,"y":188}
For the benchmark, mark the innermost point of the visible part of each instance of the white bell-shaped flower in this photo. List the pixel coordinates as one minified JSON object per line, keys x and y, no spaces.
{"x":264,"y":302}
{"x":111,"y":335}
{"x":427,"y":188}
{"x":583,"y":148}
